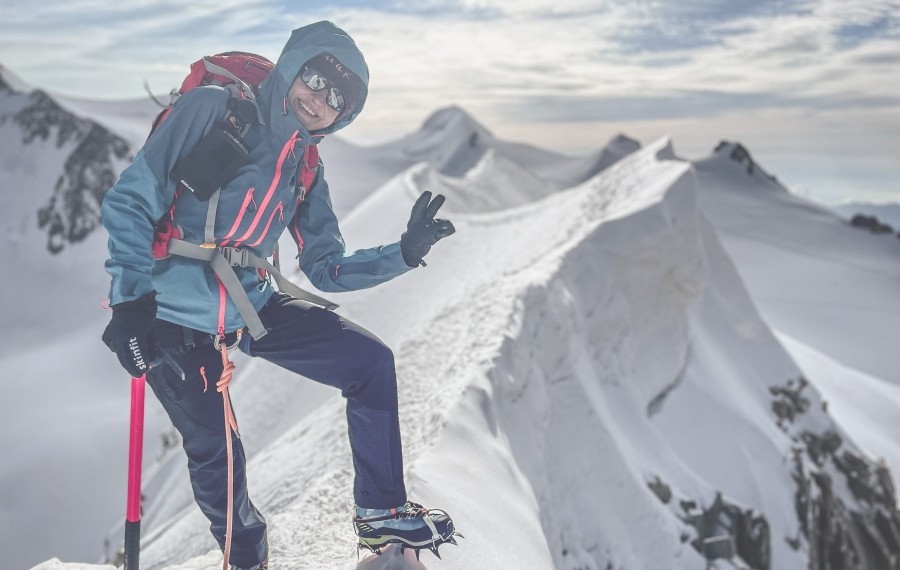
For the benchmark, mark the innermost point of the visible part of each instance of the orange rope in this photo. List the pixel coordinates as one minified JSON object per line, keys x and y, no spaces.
{"x":230,"y":424}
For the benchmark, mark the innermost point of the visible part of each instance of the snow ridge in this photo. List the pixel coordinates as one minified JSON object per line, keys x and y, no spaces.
{"x":639,"y":329}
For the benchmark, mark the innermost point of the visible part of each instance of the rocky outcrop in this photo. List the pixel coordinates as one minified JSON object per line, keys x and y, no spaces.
{"x":871,"y":223}
{"x":845,"y":503}
{"x":738,"y":153}
{"x":723,"y":529}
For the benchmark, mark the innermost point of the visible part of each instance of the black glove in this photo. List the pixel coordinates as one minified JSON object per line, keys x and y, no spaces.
{"x":128,"y":333}
{"x":423,"y":231}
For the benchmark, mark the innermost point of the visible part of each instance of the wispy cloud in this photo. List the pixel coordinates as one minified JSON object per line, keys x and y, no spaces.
{"x":603,"y":48}
{"x":535,"y":62}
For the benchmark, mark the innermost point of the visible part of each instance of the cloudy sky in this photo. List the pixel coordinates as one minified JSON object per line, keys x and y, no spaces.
{"x":811,"y":87}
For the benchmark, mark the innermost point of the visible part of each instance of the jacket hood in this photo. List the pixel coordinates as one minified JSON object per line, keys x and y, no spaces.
{"x":304,"y":44}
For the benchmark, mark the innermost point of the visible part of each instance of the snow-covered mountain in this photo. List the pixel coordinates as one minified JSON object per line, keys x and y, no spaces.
{"x":813,"y":276}
{"x":45,"y":143}
{"x":55,"y":166}
{"x":621,"y":362}
{"x":452,"y":143}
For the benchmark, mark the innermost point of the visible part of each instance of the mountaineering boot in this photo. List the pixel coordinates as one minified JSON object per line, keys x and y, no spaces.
{"x":411,"y":526}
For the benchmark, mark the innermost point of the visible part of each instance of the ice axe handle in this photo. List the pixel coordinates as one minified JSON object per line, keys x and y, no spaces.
{"x":135,"y":456}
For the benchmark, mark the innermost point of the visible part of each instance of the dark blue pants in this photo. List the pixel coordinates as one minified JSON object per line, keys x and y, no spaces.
{"x":314,"y":343}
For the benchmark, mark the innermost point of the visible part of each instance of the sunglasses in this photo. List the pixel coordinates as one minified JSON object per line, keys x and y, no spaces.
{"x":316,"y":81}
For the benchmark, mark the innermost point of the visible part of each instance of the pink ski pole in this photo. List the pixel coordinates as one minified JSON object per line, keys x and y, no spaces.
{"x":135,"y":456}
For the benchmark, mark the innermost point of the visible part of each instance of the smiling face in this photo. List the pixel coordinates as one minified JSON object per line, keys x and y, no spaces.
{"x":309,"y":106}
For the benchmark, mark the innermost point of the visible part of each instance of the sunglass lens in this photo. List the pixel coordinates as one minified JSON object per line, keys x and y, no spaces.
{"x":316,"y":81}
{"x":335,"y":99}
{"x":313,"y":78}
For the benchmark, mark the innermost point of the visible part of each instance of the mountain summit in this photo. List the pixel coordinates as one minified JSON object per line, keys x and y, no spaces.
{"x":735,"y":155}
{"x":451,"y":139}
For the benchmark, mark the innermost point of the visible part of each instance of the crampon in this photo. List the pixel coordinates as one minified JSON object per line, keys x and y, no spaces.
{"x":412,"y":526}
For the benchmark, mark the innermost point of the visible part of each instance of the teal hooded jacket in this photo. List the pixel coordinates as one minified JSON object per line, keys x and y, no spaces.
{"x":254,"y":208}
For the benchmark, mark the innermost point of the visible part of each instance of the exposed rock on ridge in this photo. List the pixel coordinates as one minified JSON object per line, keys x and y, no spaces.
{"x":845,"y":502}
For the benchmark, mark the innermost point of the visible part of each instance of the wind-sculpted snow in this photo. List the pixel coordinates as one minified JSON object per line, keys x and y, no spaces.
{"x":643,"y":361}
{"x":814,"y":276}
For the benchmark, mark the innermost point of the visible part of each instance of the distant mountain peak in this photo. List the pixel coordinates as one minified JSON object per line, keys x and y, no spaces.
{"x":452,"y":117}
{"x":451,"y":140}
{"x":622,"y":139}
{"x":738,"y":153}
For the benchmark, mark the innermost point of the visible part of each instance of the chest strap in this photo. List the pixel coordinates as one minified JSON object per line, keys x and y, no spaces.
{"x":223,"y":260}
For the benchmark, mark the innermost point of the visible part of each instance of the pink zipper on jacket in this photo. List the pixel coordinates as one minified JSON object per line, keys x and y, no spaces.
{"x":278,"y":209}
{"x":287,"y":149}
{"x":297,"y":236}
{"x":240,"y":217}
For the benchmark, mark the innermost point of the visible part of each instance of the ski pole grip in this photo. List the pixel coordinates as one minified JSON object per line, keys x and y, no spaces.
{"x":135,"y":457}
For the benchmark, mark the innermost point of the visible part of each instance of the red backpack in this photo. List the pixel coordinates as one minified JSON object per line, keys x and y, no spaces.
{"x":241,"y":69}
{"x":245,"y":71}
{"x":241,"y":73}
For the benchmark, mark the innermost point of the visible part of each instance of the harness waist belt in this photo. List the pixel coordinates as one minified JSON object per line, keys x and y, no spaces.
{"x":223,"y":260}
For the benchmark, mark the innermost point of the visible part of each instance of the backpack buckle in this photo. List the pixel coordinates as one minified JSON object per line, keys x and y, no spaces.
{"x":236,"y":257}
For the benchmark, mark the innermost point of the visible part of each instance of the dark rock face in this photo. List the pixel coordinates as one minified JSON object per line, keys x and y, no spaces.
{"x":725,"y":530}
{"x":871,"y":223}
{"x":840,"y":536}
{"x":845,"y":503}
{"x":788,"y":401}
{"x":73,"y":210}
{"x":856,"y":532}
{"x":739,"y":154}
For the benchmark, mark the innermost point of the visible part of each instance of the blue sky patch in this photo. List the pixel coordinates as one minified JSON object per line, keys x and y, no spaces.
{"x":852,"y":35}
